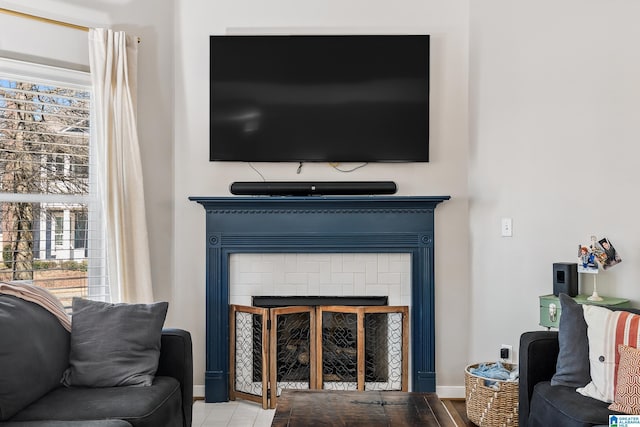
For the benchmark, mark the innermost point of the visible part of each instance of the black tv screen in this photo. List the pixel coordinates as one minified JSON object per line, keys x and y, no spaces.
{"x":319,"y":98}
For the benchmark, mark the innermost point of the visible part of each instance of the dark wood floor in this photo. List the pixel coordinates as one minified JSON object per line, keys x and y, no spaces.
{"x":458,"y":411}
{"x":456,"y":408}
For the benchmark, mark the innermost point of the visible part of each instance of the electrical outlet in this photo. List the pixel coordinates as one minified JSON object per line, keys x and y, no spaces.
{"x":506,"y":353}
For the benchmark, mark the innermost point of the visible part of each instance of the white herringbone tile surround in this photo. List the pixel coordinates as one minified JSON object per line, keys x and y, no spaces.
{"x":305,"y":274}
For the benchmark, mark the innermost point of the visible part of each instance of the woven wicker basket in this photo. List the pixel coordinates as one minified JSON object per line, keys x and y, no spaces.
{"x":488,"y":406}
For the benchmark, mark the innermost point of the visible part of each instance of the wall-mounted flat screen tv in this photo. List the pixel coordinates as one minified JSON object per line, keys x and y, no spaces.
{"x":319,"y":98}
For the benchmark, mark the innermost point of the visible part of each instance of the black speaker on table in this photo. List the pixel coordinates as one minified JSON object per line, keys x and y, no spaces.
{"x":565,"y":278}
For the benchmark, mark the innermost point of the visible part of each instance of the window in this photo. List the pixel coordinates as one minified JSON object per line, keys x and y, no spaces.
{"x":80,"y":229}
{"x":50,"y":222}
{"x":58,"y":224}
{"x":54,"y":167}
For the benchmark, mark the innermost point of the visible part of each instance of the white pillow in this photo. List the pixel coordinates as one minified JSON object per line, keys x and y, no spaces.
{"x":607,"y":329}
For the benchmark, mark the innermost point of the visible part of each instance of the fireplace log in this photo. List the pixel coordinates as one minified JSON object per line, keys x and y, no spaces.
{"x":303,"y":358}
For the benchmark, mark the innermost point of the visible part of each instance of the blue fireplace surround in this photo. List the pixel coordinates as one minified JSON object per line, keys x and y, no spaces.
{"x":319,"y":224}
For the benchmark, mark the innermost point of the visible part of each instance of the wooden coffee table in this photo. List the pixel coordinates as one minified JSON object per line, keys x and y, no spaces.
{"x":304,"y":408}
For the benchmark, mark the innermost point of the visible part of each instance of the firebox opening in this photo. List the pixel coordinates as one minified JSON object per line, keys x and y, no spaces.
{"x":287,"y":301}
{"x":338,"y":338}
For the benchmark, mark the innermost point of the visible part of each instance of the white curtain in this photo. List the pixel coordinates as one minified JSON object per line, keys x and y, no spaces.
{"x":113,"y":60}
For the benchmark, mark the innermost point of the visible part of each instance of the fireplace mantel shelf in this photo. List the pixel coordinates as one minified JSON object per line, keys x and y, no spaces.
{"x":318,"y":202}
{"x":335,"y":224}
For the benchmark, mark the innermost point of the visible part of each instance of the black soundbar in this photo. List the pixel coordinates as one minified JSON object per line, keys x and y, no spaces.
{"x":312,"y":188}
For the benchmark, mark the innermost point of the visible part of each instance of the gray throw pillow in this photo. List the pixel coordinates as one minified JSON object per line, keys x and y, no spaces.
{"x":572,"y":367}
{"x":114,"y":344}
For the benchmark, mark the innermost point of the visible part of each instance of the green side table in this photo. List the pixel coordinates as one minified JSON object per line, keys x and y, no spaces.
{"x":550,"y":307}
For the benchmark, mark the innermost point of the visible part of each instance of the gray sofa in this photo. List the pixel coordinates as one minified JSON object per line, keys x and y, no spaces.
{"x":34,"y":354}
{"x":544,"y":405}
{"x":552,"y":365}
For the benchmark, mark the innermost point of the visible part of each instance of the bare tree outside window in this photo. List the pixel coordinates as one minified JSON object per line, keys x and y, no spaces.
{"x":44,"y":184}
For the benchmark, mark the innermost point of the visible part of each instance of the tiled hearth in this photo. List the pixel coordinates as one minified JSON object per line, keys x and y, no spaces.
{"x":239,"y":413}
{"x":332,"y":231}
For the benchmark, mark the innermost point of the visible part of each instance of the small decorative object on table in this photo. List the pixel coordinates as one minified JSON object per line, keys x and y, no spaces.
{"x":598,"y":252}
{"x":492,"y":401}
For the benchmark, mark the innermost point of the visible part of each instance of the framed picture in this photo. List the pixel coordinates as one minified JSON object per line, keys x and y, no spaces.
{"x":611,"y":256}
{"x":587,"y":261}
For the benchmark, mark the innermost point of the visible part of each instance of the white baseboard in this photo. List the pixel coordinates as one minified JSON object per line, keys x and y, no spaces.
{"x":446,"y":392}
{"x":198,"y":391}
{"x":450,"y":392}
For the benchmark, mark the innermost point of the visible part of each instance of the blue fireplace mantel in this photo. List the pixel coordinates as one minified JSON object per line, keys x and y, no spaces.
{"x":319,"y":224}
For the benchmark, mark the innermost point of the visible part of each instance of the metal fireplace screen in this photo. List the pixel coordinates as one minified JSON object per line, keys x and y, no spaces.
{"x":249,"y":353}
{"x":324,"y":347}
{"x":363,"y":348}
{"x":292,"y":354}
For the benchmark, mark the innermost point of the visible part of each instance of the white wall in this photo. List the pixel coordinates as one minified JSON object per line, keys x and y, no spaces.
{"x":554,"y":125}
{"x":446,"y":174}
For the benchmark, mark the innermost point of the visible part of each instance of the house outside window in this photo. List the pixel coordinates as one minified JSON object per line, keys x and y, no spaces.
{"x":50,"y":220}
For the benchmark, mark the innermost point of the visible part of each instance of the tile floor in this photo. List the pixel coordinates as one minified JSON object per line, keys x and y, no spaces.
{"x":240,"y":413}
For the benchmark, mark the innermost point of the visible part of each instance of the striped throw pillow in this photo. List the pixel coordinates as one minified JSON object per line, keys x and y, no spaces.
{"x":606,"y":330}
